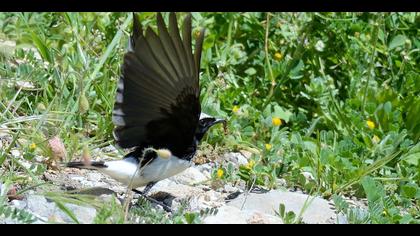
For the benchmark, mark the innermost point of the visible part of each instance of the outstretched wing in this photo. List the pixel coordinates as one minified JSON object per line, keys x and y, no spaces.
{"x":157,"y":102}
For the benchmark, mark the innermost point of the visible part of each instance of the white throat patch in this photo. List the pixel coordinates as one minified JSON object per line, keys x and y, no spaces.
{"x":204,"y":115}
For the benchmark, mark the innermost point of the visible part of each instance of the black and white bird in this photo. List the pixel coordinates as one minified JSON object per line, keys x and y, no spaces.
{"x":157,"y":105}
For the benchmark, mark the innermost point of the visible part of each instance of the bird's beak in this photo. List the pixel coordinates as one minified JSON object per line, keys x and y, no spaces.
{"x":218,"y":121}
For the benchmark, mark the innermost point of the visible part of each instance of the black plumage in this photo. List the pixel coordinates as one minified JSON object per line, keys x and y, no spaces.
{"x":157,"y":105}
{"x":157,"y":102}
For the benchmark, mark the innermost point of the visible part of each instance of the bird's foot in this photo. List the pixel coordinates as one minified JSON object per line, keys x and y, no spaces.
{"x":150,"y":199}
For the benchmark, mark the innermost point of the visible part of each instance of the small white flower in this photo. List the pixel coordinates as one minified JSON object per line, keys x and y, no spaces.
{"x":319,"y":46}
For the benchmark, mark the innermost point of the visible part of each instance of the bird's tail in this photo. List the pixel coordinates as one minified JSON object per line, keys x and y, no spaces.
{"x":84,"y":165}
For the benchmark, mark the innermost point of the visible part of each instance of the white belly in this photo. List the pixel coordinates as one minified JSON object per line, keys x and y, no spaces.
{"x":159,"y":169}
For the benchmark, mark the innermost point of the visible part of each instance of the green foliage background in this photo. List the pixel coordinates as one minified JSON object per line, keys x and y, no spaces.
{"x":323,"y":74}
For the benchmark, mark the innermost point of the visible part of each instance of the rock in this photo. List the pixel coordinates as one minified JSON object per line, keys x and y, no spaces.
{"x":246,"y":154}
{"x":228,"y":188}
{"x":18,"y":204}
{"x":197,"y":198}
{"x":84,"y":215}
{"x":97,"y":191}
{"x":7,"y":47}
{"x":342,"y":219}
{"x":236,"y":158}
{"x":205,"y":169}
{"x":318,"y":210}
{"x":255,"y":217}
{"x":190,"y":176}
{"x":226,"y":215}
{"x":15,"y":153}
{"x":233,"y":215}
{"x":25,"y":85}
{"x":4,"y":133}
{"x":308,"y":176}
{"x":281,"y":182}
{"x":110,"y":148}
{"x":48,"y":211}
{"x":94,"y":176}
{"x":78,"y":178}
{"x":8,"y":221}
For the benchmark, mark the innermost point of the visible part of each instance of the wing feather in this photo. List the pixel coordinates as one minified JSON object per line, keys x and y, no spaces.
{"x":157,"y":100}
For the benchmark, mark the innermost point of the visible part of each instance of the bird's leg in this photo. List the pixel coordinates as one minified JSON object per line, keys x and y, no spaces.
{"x":146,"y":190}
{"x":148,"y":187}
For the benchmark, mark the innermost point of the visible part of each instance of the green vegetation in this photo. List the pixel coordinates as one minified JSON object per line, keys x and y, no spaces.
{"x":327,"y":101}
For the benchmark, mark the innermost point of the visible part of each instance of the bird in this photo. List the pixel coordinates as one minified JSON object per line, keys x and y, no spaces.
{"x":157,"y":111}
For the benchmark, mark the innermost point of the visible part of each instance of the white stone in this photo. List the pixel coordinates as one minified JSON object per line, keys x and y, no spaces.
{"x":236,"y":158}
{"x":308,"y":175}
{"x":18,"y":204}
{"x":233,"y":215}
{"x":15,"y":153}
{"x":228,"y":188}
{"x":190,"y":176}
{"x":94,"y":176}
{"x":78,"y":178}
{"x":46,"y":210}
{"x":318,"y":211}
{"x":205,"y":169}
{"x":25,"y":85}
{"x":226,"y":215}
{"x":246,"y":154}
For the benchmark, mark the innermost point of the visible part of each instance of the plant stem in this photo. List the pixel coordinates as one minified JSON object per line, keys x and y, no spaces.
{"x":267,"y":61}
{"x":371,"y":62}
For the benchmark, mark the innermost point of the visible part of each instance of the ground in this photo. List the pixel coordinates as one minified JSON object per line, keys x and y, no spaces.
{"x":192,"y":191}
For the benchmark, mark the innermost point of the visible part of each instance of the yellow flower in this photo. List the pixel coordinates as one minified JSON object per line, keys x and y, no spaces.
{"x":220,"y":173}
{"x":276,"y":121}
{"x":278,"y":56}
{"x":235,"y":109}
{"x":268,"y":146}
{"x":32,"y":146}
{"x":250,"y":164}
{"x":370,"y":124}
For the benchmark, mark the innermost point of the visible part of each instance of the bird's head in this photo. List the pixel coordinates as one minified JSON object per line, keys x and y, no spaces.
{"x":205,"y":123}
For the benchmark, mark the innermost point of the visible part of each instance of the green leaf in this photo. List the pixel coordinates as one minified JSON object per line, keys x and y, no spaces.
{"x":295,"y":73}
{"x":388,"y":107}
{"x":282,"y":209}
{"x":413,"y":112}
{"x":413,"y":159}
{"x":281,"y":113}
{"x":2,"y":158}
{"x":406,"y":219}
{"x":67,"y":211}
{"x":409,"y":190}
{"x":28,"y":156}
{"x":42,"y":48}
{"x":372,"y":190}
{"x":397,"y":41}
{"x":250,"y":71}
